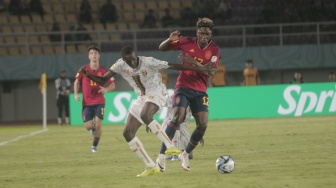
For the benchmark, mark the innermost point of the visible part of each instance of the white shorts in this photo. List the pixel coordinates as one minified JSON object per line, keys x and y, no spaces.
{"x":136,"y":106}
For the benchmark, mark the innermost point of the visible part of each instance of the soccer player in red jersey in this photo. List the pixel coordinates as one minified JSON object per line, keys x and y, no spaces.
{"x":93,"y":95}
{"x":191,"y":86}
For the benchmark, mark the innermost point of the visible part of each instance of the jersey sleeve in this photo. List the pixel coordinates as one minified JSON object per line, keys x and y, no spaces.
{"x":215,"y":58}
{"x":79,"y":75}
{"x":156,"y":64}
{"x":177,"y":45}
{"x":110,"y":81}
{"x":117,"y":67}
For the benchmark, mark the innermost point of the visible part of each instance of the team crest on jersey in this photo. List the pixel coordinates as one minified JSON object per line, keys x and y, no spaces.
{"x":144,"y":73}
{"x":208,"y":54}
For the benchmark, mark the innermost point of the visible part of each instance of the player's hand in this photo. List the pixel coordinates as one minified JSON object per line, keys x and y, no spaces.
{"x":102,"y":90}
{"x":175,"y":35}
{"x":202,"y":142}
{"x":209,"y":70}
{"x":84,"y":71}
{"x":188,"y":59}
{"x":148,"y":129}
{"x":77,"y":98}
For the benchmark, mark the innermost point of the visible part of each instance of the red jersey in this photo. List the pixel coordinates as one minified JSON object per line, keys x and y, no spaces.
{"x":210,"y":54}
{"x":90,"y":88}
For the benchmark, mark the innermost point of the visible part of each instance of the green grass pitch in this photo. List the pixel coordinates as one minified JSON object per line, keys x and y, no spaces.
{"x":279,"y":152}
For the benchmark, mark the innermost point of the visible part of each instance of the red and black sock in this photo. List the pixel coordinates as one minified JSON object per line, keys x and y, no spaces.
{"x":95,"y":141}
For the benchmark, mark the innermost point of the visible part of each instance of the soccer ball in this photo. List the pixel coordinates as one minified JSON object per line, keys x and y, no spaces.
{"x":225,"y":164}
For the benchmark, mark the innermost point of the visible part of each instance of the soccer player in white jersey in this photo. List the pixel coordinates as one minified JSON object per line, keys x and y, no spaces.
{"x":142,"y":73}
{"x":182,"y":136}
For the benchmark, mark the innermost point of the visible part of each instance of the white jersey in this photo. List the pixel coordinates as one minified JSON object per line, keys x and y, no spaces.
{"x":145,"y":79}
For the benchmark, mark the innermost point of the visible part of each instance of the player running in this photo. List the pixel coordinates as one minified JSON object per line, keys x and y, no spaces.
{"x":93,"y":96}
{"x":191,"y":86}
{"x":142,"y":73}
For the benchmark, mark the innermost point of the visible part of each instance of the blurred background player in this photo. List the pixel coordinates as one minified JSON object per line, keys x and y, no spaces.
{"x":191,"y":86}
{"x":297,"y":79}
{"x":93,"y":95}
{"x":63,"y":85}
{"x":219,"y":78}
{"x":250,"y":74}
{"x":142,"y":73}
{"x":332,"y":77}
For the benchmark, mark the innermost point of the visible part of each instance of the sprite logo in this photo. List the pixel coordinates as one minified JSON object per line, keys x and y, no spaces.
{"x":302,"y":102}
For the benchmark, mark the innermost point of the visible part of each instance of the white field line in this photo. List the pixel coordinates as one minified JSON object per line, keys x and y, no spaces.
{"x":23,"y":136}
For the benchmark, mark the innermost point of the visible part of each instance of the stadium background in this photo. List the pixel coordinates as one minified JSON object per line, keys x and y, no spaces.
{"x":26,"y":51}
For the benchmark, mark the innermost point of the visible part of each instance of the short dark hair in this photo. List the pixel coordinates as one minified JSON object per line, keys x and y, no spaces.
{"x":126,"y":50}
{"x":205,"y":22}
{"x":93,"y":47}
{"x":249,"y":61}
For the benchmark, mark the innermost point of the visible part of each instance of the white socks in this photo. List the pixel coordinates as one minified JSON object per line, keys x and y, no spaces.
{"x":137,"y":148}
{"x":156,"y":129}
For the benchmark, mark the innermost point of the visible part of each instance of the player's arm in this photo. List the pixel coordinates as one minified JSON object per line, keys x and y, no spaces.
{"x":165,"y":45}
{"x":98,"y":79}
{"x":76,"y":88}
{"x":110,"y":87}
{"x":207,"y":70}
{"x":189,"y":59}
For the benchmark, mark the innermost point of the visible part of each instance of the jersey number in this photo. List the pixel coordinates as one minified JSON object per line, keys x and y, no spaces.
{"x":206,"y":101}
{"x":92,"y":83}
{"x":102,"y":111}
{"x":199,"y":59}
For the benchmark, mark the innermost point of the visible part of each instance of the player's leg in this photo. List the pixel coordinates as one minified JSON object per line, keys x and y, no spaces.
{"x":199,"y":107}
{"x":132,"y":126}
{"x":99,"y":112}
{"x":67,"y":113}
{"x":180,"y":103}
{"x":184,"y":133}
{"x":87,"y":115}
{"x":59,"y":108}
{"x":133,"y":123}
{"x":147,"y":114}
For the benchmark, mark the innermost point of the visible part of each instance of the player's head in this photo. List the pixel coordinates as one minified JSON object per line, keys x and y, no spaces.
{"x":93,"y":52}
{"x":204,"y":31}
{"x":249,"y":63}
{"x":129,"y":56}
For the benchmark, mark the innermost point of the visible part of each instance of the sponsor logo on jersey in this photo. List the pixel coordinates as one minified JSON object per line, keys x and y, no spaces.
{"x":208,"y":54}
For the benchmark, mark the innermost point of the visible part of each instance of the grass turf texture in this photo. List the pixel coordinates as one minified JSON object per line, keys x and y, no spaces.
{"x":281,"y":152}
